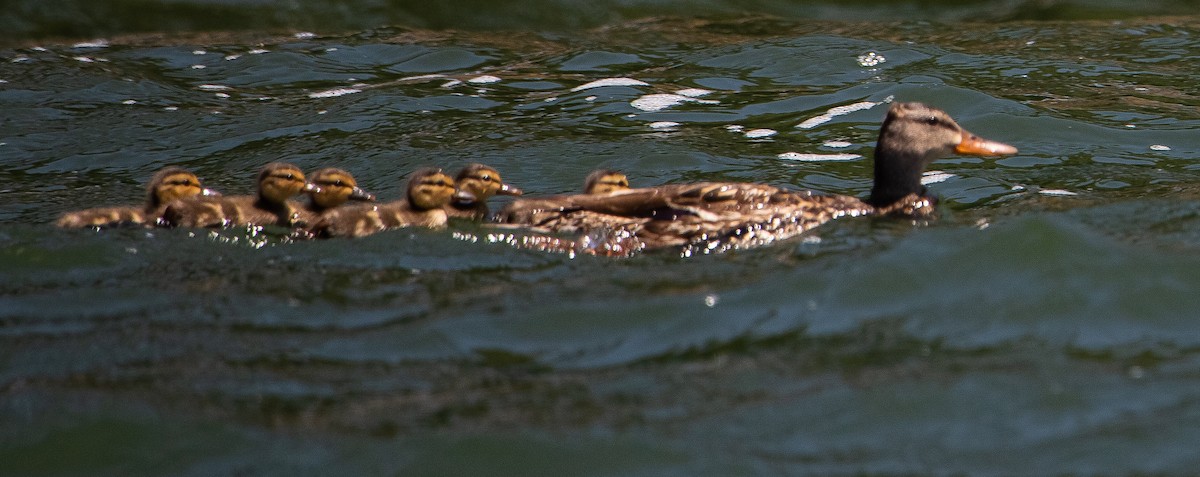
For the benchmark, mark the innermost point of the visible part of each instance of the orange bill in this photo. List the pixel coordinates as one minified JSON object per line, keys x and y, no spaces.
{"x":972,"y":145}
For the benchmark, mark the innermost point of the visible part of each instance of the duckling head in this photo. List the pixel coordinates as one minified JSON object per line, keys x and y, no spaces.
{"x":335,"y":187}
{"x":914,"y":135}
{"x":279,"y":181}
{"x":172,"y":183}
{"x":603,"y":181}
{"x":430,"y":188}
{"x":483,"y":182}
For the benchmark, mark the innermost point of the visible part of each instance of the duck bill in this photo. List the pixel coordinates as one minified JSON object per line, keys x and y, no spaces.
{"x":972,"y":145}
{"x":506,"y":189}
{"x":311,"y":188}
{"x":209,"y":193}
{"x":359,"y":194}
{"x":463,"y":196}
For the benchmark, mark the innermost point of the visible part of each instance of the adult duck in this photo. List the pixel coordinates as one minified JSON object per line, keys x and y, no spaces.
{"x":428,"y":193}
{"x":277,"y":182}
{"x":168,"y":184}
{"x":481,"y":182}
{"x":715,"y":216}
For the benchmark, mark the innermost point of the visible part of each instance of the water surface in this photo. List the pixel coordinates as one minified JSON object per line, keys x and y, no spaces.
{"x":1043,"y":324}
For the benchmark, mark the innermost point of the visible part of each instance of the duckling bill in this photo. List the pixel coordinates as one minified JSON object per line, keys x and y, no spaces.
{"x":714,"y":216}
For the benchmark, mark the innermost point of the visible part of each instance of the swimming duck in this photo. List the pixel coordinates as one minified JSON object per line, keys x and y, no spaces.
{"x":714,"y":216}
{"x":482,"y":182}
{"x":603,"y":181}
{"x":277,"y":182}
{"x":428,"y":193}
{"x":168,"y":184}
{"x":333,"y":187}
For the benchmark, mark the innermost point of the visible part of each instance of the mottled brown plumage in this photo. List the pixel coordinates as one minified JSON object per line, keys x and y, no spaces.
{"x":481,"y":182}
{"x":716,"y":216}
{"x":167,"y":185}
{"x":277,"y":182}
{"x":429,"y":191}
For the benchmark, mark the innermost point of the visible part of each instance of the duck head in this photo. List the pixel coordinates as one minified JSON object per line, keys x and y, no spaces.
{"x":279,"y":181}
{"x":603,"y":181}
{"x":483,"y":182}
{"x":335,"y":187}
{"x":912,"y":136}
{"x":430,"y":188}
{"x":172,"y":183}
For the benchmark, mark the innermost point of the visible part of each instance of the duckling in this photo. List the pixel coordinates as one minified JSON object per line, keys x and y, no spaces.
{"x":603,"y":181}
{"x":482,"y":182}
{"x":428,"y":193}
{"x":168,"y":184}
{"x":334,"y":187}
{"x":548,"y":215}
{"x":277,"y":182}
{"x":715,"y":216}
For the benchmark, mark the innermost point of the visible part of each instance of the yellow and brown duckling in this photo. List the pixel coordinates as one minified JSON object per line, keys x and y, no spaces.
{"x":603,"y":181}
{"x":277,"y":182}
{"x":332,"y":188}
{"x":168,"y":184}
{"x":714,"y":216}
{"x":481,"y":182}
{"x":428,"y":193}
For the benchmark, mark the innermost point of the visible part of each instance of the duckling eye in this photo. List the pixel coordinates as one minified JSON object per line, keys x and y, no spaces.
{"x":486,"y":177}
{"x":932,"y":120}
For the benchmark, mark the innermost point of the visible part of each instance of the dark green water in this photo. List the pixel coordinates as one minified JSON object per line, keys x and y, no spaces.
{"x":1045,"y":324}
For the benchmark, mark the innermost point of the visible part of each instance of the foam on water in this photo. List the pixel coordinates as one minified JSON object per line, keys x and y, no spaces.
{"x":811,"y":157}
{"x":835,"y":112}
{"x":600,"y":83}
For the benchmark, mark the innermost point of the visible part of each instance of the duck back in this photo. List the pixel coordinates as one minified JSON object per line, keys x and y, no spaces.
{"x":367,"y":219}
{"x":708,"y":214}
{"x":227,"y":211}
{"x":107,"y":216}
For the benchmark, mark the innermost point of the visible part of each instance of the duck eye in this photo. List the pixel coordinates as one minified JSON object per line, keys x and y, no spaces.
{"x":932,"y":120}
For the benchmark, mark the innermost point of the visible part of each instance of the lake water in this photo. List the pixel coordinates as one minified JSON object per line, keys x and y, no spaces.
{"x":1045,"y":323}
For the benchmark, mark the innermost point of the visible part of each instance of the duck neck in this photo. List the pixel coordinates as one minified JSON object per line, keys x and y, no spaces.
{"x":315,"y":207}
{"x":897,"y":174}
{"x":279,"y":208}
{"x":468,"y":205}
